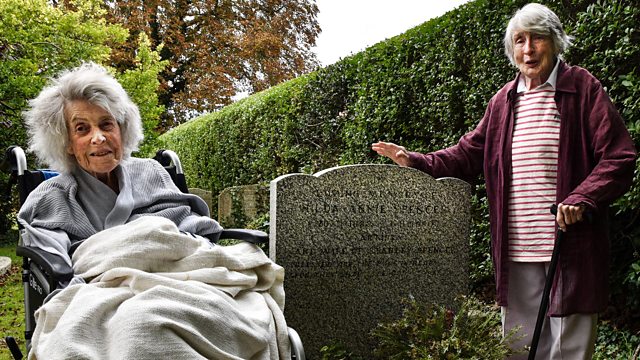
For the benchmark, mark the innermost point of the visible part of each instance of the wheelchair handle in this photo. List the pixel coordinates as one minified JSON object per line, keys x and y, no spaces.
{"x":17,"y":159}
{"x":172,"y":157}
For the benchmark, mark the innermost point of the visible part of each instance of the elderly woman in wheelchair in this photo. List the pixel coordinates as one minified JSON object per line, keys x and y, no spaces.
{"x":148,"y":280}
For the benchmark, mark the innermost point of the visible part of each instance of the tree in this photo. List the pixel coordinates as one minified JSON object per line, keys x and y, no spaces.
{"x":142,"y":83}
{"x":38,"y":40}
{"x":217,"y":48}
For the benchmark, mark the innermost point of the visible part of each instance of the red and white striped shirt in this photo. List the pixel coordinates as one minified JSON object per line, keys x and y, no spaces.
{"x":536,"y":136}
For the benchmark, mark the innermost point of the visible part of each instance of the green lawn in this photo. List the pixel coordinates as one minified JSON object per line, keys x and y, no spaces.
{"x":11,"y":301}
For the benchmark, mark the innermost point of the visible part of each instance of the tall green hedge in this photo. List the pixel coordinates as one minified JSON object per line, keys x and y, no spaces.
{"x":423,"y":89}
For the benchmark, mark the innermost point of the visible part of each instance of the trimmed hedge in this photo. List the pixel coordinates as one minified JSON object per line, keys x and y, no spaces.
{"x":423,"y":89}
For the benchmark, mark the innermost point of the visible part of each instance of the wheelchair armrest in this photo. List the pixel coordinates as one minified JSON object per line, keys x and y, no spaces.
{"x":248,"y":235}
{"x":52,"y":264}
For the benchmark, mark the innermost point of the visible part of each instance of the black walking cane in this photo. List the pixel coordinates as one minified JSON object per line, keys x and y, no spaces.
{"x":544,"y":303}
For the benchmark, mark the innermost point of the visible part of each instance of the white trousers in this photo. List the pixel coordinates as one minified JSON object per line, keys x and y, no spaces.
{"x":569,"y":338}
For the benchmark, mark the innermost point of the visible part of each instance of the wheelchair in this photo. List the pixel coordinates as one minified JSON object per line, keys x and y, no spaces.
{"x":42,"y":272}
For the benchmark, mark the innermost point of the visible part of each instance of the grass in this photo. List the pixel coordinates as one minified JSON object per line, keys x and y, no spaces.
{"x":11,"y":297}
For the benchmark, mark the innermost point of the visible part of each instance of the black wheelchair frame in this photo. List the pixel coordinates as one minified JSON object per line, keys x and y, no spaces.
{"x":42,"y":272}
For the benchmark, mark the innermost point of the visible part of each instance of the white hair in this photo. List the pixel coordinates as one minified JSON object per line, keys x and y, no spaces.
{"x":45,"y":120}
{"x":537,"y":19}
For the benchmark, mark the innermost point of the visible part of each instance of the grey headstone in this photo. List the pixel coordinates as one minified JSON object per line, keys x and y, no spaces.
{"x":206,"y":196}
{"x":239,"y":205}
{"x":355,"y":240}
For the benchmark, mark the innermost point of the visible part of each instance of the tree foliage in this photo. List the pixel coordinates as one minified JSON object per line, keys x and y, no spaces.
{"x":38,"y":40}
{"x":216,"y":48}
{"x":142,"y":83}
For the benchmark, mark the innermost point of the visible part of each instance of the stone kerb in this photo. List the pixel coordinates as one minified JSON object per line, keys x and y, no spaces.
{"x":5,"y":265}
{"x":355,"y":240}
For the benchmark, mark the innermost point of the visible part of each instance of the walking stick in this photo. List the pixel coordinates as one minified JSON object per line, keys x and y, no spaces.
{"x":544,"y":303}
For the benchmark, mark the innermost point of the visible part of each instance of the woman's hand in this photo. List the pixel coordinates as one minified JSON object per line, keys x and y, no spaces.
{"x":397,"y":153}
{"x":569,"y":214}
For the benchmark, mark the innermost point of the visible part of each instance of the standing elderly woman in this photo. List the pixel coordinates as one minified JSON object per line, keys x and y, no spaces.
{"x":550,"y":136}
{"x":156,"y":287}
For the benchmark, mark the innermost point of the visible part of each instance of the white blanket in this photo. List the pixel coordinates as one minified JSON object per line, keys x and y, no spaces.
{"x":156,"y":293}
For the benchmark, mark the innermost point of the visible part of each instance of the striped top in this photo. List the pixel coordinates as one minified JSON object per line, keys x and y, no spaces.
{"x":536,"y":135}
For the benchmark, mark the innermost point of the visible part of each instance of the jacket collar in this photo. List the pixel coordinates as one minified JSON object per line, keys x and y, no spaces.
{"x":512,"y":88}
{"x":565,"y":82}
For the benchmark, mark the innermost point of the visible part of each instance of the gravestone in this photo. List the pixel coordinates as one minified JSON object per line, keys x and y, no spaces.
{"x":239,"y":205}
{"x":204,"y":195}
{"x":355,"y":240}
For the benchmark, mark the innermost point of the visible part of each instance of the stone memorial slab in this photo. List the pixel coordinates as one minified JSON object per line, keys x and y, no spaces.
{"x":206,"y":196}
{"x":355,"y":240}
{"x":239,"y":205}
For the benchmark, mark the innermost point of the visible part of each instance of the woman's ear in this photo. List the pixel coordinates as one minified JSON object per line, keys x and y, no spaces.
{"x":69,"y":149}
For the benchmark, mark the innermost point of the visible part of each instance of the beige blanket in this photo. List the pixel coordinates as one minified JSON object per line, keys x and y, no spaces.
{"x":155,"y":293}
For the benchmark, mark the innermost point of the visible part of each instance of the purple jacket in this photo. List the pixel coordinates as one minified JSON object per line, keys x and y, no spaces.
{"x":595,"y":166}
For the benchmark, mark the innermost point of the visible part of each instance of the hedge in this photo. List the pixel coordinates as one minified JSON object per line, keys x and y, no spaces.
{"x":422,"y":89}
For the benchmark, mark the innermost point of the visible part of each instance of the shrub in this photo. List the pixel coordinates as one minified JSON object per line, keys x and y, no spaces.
{"x":435,"y":332}
{"x":337,"y":351}
{"x":613,"y":343}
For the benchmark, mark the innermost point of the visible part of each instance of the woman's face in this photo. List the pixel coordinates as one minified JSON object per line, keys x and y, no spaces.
{"x":534,"y":56}
{"x":94,"y":138}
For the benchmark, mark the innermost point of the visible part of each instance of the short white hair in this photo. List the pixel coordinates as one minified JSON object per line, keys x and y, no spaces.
{"x":537,"y":19}
{"x":45,"y":120}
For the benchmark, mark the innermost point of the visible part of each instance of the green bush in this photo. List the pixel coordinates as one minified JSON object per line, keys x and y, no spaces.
{"x":435,"y":332}
{"x":473,"y":331}
{"x":616,"y":344}
{"x":337,"y":351}
{"x":422,"y":89}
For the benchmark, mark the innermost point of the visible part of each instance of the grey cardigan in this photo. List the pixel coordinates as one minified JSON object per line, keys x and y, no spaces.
{"x":73,"y":206}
